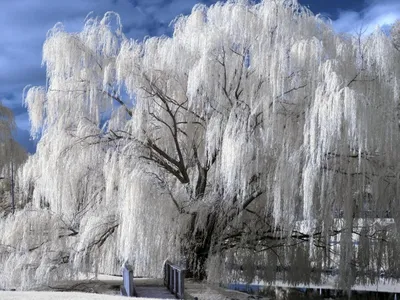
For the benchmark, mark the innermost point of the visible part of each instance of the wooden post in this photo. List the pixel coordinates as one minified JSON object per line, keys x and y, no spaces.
{"x":171,"y":279}
{"x":181,"y":286}
{"x":128,"y":288}
{"x":176,"y":281}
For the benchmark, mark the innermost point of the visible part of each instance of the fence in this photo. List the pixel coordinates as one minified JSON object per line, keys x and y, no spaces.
{"x":174,"y":279}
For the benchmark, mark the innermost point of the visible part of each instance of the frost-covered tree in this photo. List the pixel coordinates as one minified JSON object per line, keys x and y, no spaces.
{"x":12,"y":155}
{"x":395,"y":32}
{"x":253,"y":141}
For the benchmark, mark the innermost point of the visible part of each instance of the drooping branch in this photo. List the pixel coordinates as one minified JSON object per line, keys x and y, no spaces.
{"x":119,"y":100}
{"x":100,"y":240}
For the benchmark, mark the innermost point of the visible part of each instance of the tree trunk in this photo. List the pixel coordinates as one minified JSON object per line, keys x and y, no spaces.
{"x":198,"y":246}
{"x":12,"y":189}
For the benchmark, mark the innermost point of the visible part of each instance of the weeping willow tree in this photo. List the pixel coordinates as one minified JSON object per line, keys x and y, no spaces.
{"x":254,"y":144}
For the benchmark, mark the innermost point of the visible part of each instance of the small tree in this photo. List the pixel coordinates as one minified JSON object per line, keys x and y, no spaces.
{"x":12,"y":156}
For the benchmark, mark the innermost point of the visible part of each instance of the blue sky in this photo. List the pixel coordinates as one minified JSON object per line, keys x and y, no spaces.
{"x":25,"y":23}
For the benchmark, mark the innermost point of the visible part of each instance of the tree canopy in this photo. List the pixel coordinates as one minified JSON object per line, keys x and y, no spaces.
{"x":254,"y":141}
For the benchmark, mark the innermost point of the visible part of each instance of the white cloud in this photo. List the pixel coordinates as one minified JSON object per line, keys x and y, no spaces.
{"x":377,"y":13}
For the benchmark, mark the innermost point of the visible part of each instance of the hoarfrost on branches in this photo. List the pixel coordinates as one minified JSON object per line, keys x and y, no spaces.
{"x":249,"y":142}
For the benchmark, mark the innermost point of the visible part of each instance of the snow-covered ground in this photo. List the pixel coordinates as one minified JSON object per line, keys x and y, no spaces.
{"x":102,"y":289}
{"x":59,"y":296}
